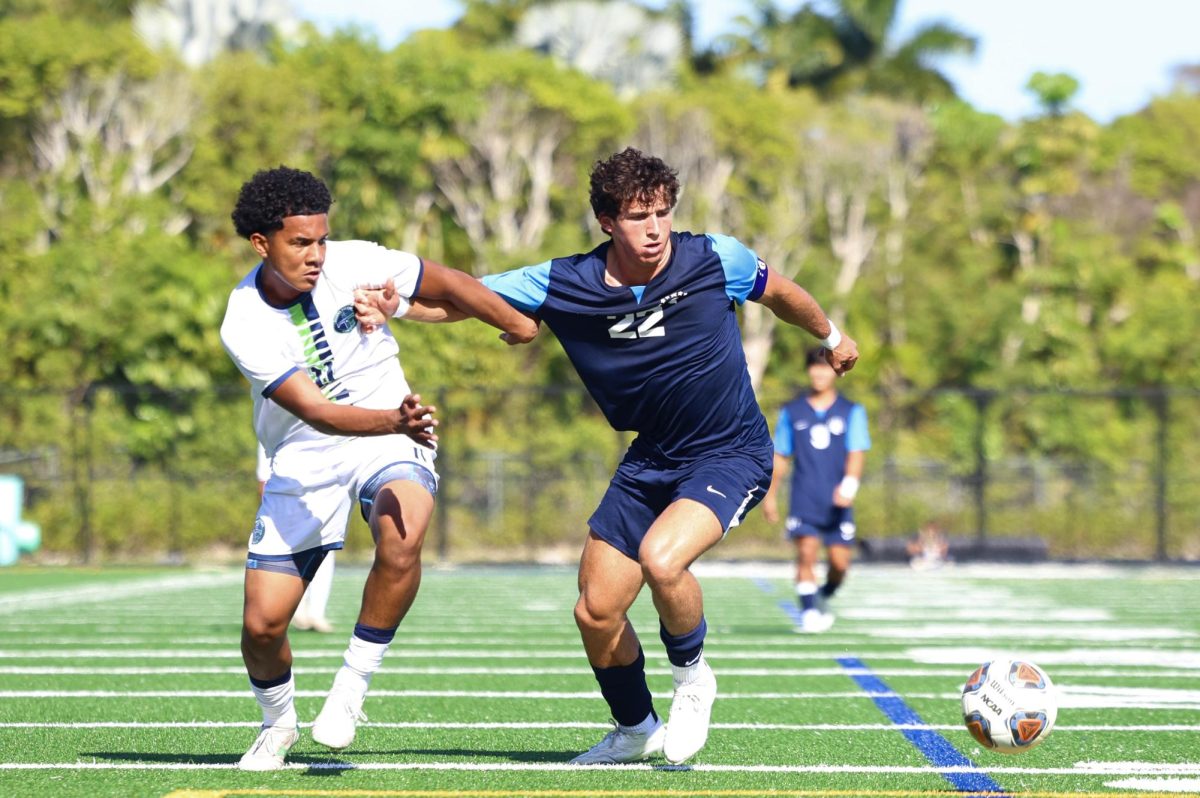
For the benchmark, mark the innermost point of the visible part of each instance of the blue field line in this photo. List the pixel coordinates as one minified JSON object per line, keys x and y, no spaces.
{"x":933,"y":746}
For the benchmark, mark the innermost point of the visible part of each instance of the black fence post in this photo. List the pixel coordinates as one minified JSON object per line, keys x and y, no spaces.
{"x":1161,"y":403}
{"x":980,"y":478}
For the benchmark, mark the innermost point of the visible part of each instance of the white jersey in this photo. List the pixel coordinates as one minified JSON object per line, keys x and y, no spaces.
{"x":318,"y":334}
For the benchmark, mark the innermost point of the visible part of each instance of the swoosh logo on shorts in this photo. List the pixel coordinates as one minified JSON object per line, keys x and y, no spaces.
{"x":711,"y":489}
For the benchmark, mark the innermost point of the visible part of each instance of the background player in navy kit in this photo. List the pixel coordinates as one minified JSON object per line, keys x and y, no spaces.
{"x":824,"y":435}
{"x":647,"y":319}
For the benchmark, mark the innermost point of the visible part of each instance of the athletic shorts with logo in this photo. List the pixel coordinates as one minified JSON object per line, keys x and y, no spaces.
{"x":307,"y":501}
{"x":728,"y":483}
{"x":840,"y":533}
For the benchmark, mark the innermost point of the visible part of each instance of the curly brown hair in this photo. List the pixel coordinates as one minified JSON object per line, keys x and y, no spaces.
{"x":631,"y":176}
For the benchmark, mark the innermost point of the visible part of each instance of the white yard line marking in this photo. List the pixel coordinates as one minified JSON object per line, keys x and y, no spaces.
{"x":497,"y":725}
{"x":48,"y":598}
{"x":516,"y":694}
{"x":1157,"y":785}
{"x":1083,"y":768}
{"x":579,"y":670}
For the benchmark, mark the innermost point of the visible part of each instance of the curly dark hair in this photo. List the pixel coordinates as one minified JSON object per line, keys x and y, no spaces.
{"x":630,"y":176}
{"x":273,"y":194}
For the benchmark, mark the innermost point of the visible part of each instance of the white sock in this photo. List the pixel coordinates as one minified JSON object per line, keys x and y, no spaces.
{"x":645,"y":727}
{"x":360,"y":662}
{"x":687,"y":674}
{"x":806,"y":588}
{"x":277,"y":703}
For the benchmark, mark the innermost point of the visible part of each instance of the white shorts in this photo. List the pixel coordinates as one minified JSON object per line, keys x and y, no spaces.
{"x":307,"y":501}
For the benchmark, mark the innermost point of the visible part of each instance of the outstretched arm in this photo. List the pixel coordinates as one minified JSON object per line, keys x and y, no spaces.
{"x":794,"y":305}
{"x":473,"y":298}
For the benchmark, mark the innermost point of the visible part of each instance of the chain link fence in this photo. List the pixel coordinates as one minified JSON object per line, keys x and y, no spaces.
{"x":118,"y":474}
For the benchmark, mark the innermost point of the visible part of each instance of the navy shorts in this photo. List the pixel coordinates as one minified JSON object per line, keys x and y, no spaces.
{"x":728,"y":483}
{"x":840,"y":533}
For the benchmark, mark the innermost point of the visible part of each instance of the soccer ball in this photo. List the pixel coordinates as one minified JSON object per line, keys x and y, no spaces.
{"x":1009,"y":706}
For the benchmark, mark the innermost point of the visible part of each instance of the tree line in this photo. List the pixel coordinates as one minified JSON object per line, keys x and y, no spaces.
{"x":961,"y":249}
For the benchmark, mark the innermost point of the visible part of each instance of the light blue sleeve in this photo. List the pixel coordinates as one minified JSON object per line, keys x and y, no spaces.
{"x":745,"y":274}
{"x":783,"y":433}
{"x":858,"y":439}
{"x":524,"y":288}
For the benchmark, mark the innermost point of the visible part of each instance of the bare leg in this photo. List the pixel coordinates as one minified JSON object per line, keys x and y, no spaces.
{"x":808,"y":550}
{"x":608,"y":584}
{"x":839,"y":563}
{"x":398,"y":522}
{"x":270,"y":600}
{"x":684,"y":531}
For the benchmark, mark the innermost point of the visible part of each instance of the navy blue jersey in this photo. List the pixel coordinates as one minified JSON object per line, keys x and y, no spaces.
{"x":817,"y":442}
{"x":664,"y":359}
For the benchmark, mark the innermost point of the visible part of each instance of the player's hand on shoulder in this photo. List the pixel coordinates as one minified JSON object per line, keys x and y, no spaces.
{"x":416,"y":420}
{"x":524,"y":331}
{"x":843,"y":357}
{"x":374,"y":305}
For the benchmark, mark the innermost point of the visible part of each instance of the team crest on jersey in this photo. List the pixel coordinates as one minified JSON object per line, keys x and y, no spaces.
{"x":260,"y":529}
{"x":344,"y":322}
{"x":837,"y":425}
{"x":818,"y":436}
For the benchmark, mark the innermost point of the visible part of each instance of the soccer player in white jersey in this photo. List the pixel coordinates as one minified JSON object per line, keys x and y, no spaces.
{"x":333,"y":411}
{"x":310,"y":615}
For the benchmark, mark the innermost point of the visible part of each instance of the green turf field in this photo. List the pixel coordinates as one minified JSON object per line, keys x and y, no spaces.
{"x":129,"y":683}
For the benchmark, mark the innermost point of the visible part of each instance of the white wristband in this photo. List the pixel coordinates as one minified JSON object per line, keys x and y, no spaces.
{"x":834,"y":338}
{"x":849,"y":486}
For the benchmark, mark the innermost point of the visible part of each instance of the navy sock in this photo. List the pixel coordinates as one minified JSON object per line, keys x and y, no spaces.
{"x":683,"y":650}
{"x":373,"y":634}
{"x":624,"y":688}
{"x":829,"y":588}
{"x":266,"y":684}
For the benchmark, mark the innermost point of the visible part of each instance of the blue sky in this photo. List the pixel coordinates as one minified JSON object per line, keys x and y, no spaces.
{"x":1121,"y":51}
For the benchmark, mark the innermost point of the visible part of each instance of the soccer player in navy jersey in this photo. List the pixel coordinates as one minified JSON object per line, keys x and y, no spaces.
{"x":648,"y":320}
{"x":824,"y":435}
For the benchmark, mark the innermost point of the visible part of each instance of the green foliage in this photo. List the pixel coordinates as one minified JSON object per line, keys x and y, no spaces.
{"x":1052,"y":253}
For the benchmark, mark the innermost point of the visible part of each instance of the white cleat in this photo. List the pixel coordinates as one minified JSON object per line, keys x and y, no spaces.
{"x":335,"y":726}
{"x":691,"y":708}
{"x":814,"y":622}
{"x":621,"y":745}
{"x":269,"y":749}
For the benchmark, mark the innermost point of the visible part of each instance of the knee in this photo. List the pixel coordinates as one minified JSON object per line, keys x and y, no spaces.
{"x":397,"y":551}
{"x":261,"y":631}
{"x":592,"y":617}
{"x":659,"y":569}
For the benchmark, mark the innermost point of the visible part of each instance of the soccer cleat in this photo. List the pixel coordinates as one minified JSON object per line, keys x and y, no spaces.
{"x":687,"y":726}
{"x":269,"y":749}
{"x":335,"y":726}
{"x":321,"y":625}
{"x":622,"y":745}
{"x":814,"y":622}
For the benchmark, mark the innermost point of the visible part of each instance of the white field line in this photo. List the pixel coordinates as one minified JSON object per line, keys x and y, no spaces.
{"x":227,"y":651}
{"x":48,"y":598}
{"x":1159,"y":785}
{"x":1135,"y":698}
{"x":526,"y":725}
{"x":580,"y":670}
{"x":515,"y":694}
{"x":1080,"y":769}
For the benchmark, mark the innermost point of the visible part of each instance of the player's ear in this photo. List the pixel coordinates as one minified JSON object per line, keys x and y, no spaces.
{"x":606,"y":223}
{"x":260,"y":244}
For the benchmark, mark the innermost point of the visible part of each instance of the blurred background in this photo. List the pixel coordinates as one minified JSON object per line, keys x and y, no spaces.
{"x":1013,"y":244}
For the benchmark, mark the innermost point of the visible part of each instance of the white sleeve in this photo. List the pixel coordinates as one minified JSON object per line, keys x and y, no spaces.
{"x":373,"y":265}
{"x":264,"y":361}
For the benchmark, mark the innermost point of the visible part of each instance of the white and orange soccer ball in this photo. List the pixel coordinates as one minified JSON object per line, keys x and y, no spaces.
{"x":1009,"y":706}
